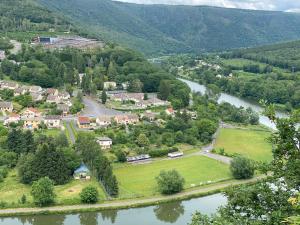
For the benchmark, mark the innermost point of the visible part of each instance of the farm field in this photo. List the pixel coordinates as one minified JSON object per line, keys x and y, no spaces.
{"x":248,"y":142}
{"x":138,"y":180}
{"x":11,"y":190}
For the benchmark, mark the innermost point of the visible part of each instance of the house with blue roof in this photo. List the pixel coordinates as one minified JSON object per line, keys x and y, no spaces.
{"x":82,"y":173}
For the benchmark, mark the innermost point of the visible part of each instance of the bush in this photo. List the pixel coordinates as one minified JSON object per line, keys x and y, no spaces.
{"x":170,"y":182}
{"x":89,"y":195}
{"x":121,"y":156}
{"x":43,"y":192}
{"x":242,"y":168}
{"x":162,"y":152}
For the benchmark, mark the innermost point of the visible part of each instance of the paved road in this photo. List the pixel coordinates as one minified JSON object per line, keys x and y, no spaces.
{"x":128,"y":203}
{"x":72,"y":135}
{"x":95,"y":109}
{"x":220,"y":158}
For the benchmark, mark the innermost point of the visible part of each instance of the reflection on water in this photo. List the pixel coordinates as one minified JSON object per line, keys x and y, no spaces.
{"x":175,"y":213}
{"x":169,"y":212}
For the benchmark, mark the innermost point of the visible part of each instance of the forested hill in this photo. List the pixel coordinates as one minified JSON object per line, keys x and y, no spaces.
{"x":161,"y":29}
{"x":26,"y":15}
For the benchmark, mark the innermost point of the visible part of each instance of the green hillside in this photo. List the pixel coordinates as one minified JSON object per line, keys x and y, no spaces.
{"x":162,"y":29}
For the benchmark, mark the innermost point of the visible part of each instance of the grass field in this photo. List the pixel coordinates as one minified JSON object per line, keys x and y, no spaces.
{"x":139,"y":180}
{"x":11,"y":190}
{"x":248,"y":142}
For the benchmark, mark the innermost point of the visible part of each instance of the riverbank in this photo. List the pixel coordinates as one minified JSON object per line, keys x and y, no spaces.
{"x":124,"y":204}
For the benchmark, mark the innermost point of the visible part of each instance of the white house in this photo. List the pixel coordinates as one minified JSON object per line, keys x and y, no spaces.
{"x":2,"y":55}
{"x":31,"y":113}
{"x":6,"y":107}
{"x":9,"y":85}
{"x":110,"y":85}
{"x":52,"y":121}
{"x":104,"y":142}
{"x":103,"y":121}
{"x":12,"y":118}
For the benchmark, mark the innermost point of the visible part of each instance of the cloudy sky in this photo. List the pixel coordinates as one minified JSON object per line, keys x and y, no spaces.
{"x":280,"y":5}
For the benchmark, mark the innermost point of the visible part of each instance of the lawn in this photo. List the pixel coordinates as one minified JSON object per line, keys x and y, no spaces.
{"x":139,"y":180}
{"x":11,"y":190}
{"x":248,"y":142}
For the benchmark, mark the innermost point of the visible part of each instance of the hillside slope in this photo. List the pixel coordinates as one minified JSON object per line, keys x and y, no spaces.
{"x":161,"y":29}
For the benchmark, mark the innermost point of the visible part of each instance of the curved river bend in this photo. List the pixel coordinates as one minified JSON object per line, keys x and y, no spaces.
{"x":236,"y":101}
{"x":175,"y":213}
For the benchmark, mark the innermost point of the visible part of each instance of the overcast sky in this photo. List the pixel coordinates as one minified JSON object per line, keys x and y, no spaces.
{"x":280,"y":5}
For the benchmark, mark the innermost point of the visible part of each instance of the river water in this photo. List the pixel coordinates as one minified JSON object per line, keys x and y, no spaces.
{"x":236,"y":101}
{"x":175,"y":213}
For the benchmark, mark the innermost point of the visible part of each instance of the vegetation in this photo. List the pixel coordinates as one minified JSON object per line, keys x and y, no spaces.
{"x":139,"y":180}
{"x":242,"y":168}
{"x":185,"y":28}
{"x":43,"y":192}
{"x":250,"y":142}
{"x":170,"y":182}
{"x":273,"y":200}
{"x":89,"y":195}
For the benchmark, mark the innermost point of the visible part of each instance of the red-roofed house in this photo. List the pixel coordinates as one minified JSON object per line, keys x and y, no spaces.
{"x":83,"y":122}
{"x":31,"y":113}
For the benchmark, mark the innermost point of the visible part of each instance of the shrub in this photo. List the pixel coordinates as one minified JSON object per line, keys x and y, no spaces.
{"x":242,"y":168}
{"x":121,"y":156}
{"x":162,"y":152}
{"x":170,"y":182}
{"x":89,"y":195}
{"x":23,"y":199}
{"x":43,"y":192}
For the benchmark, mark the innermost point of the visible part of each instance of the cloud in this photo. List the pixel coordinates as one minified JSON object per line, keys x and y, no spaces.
{"x":280,"y":5}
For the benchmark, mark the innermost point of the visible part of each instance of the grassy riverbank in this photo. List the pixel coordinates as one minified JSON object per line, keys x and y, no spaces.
{"x":132,"y":203}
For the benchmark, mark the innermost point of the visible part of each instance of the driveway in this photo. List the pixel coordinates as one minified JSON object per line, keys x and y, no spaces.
{"x":93,"y":108}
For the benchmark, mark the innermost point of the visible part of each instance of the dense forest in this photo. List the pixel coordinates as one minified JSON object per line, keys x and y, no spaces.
{"x":268,"y":73}
{"x":164,"y":29}
{"x":25,"y":15}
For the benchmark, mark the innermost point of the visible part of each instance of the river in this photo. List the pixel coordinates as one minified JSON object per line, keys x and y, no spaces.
{"x":236,"y":101}
{"x":175,"y":213}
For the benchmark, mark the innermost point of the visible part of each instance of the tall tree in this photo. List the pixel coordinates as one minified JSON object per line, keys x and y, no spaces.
{"x":103,"y":97}
{"x":164,"y":90}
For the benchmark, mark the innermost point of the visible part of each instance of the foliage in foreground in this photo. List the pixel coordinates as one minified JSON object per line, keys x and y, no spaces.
{"x":269,"y":201}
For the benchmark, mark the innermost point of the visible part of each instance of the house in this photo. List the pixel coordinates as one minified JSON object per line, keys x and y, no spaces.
{"x":9,"y":85}
{"x":36,"y":96}
{"x":52,"y":121}
{"x":104,"y":142}
{"x":64,"y":108}
{"x":82,"y":172}
{"x":6,"y":106}
{"x":149,"y":116}
{"x":2,"y":55}
{"x":109,"y":85}
{"x":32,"y":123}
{"x":83,"y":122}
{"x":35,"y":89}
{"x":175,"y":154}
{"x":52,"y":99}
{"x":170,"y":111}
{"x":12,"y":118}
{"x":121,"y":97}
{"x":126,"y":119}
{"x":51,"y":91}
{"x":63,"y":96}
{"x":31,"y":113}
{"x":20,"y":91}
{"x":104,"y":121}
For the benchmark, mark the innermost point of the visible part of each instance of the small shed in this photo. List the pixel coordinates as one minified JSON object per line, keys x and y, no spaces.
{"x":82,"y":173}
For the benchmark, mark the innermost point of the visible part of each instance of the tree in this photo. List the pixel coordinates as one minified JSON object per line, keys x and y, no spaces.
{"x":142,"y":140}
{"x":164,"y":90}
{"x":112,"y":71}
{"x":146,"y":96}
{"x":170,"y":182}
{"x":103,"y":97}
{"x":69,"y":89}
{"x":135,"y":86}
{"x":242,"y":168}
{"x":89,"y":195}
{"x":121,"y":156}
{"x":61,"y":140}
{"x":42,"y":192}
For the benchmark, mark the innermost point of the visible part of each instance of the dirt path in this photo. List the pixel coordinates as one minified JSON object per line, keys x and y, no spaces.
{"x":127,"y":203}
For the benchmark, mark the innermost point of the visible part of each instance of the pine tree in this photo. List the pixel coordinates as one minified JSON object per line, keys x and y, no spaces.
{"x":103,"y":97}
